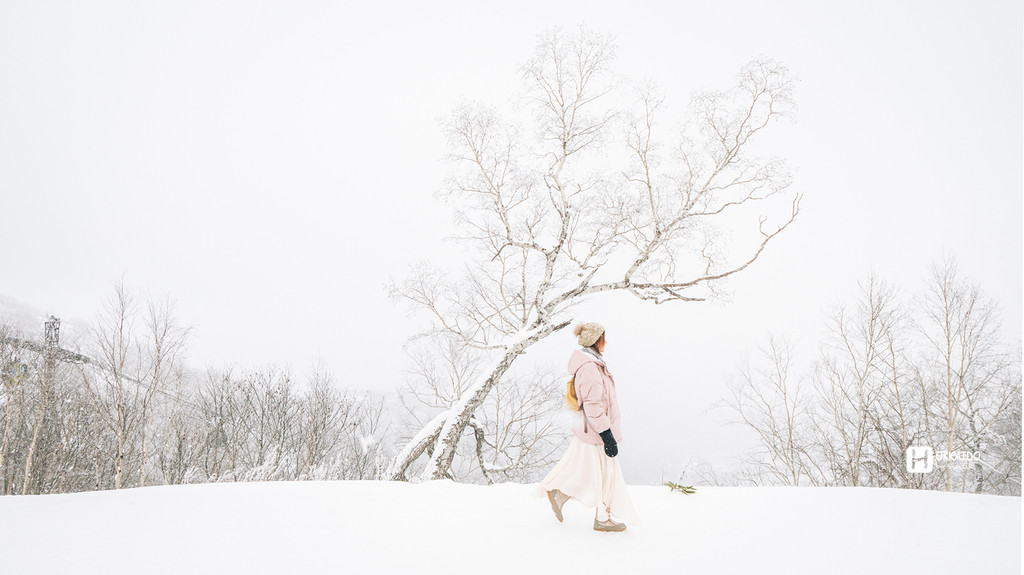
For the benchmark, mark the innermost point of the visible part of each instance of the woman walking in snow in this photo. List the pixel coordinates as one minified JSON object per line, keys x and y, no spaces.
{"x":589,"y":472}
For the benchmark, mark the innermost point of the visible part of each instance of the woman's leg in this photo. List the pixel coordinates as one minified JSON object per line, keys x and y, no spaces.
{"x":607,"y":468}
{"x":615,"y":498}
{"x":575,"y":474}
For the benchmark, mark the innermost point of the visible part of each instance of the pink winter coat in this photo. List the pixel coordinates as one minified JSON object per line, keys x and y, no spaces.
{"x":595,"y":388}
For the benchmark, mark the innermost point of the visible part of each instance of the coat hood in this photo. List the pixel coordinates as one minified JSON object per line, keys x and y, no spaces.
{"x":581,"y":356}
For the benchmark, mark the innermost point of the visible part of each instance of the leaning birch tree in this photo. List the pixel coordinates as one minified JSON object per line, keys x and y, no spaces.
{"x":582,"y":199}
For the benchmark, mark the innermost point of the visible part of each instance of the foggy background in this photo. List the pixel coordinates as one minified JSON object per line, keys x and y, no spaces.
{"x":271,"y":165}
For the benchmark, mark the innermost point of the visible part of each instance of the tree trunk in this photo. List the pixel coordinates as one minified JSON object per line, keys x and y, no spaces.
{"x":145,"y":445}
{"x":979,"y":478}
{"x":35,"y":438}
{"x":7,"y":432}
{"x":119,"y":459}
{"x":441,"y":436}
{"x":949,"y":448}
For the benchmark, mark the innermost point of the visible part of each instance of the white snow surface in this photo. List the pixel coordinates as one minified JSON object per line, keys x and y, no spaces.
{"x":443,"y":527}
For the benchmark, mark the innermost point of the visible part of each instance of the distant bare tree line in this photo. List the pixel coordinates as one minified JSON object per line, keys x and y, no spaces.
{"x":124,"y":411}
{"x":890,"y":375}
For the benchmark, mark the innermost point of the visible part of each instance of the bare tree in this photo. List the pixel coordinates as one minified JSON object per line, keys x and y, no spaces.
{"x":221,"y":411}
{"x":550,"y":220}
{"x":325,"y":414}
{"x":365,"y":456}
{"x":1003,"y":473}
{"x":177,"y":434}
{"x":776,"y":406}
{"x":160,"y":352}
{"x":270,"y":418}
{"x":896,"y":421}
{"x":129,"y":369}
{"x":963,"y":364}
{"x":114,"y":385}
{"x":847,"y":379}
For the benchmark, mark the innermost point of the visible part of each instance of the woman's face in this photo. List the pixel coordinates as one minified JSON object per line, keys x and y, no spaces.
{"x":601,"y":343}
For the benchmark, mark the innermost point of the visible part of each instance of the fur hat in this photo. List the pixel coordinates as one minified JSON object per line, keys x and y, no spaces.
{"x":588,"y":333}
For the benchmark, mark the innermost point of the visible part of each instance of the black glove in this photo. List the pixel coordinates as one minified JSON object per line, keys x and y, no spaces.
{"x":611,"y":449}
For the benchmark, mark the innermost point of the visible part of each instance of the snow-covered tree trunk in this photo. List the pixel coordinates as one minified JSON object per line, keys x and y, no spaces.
{"x":458,"y":417}
{"x":441,"y":436}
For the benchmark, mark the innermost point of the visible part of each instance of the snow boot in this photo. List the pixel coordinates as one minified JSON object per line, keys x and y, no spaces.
{"x":557,"y":499}
{"x":609,"y":525}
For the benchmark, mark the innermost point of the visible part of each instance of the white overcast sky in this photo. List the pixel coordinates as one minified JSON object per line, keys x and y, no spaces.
{"x":271,"y":164}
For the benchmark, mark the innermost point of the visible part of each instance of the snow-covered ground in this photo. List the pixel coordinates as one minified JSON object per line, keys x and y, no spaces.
{"x":443,"y":527}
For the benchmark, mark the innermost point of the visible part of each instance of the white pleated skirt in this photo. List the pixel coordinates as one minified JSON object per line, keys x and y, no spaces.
{"x":589,"y":476}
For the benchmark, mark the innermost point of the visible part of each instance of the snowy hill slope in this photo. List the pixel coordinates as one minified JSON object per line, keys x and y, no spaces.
{"x":443,"y":527}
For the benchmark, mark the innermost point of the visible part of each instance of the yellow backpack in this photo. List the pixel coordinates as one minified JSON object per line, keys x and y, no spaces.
{"x":572,"y":403}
